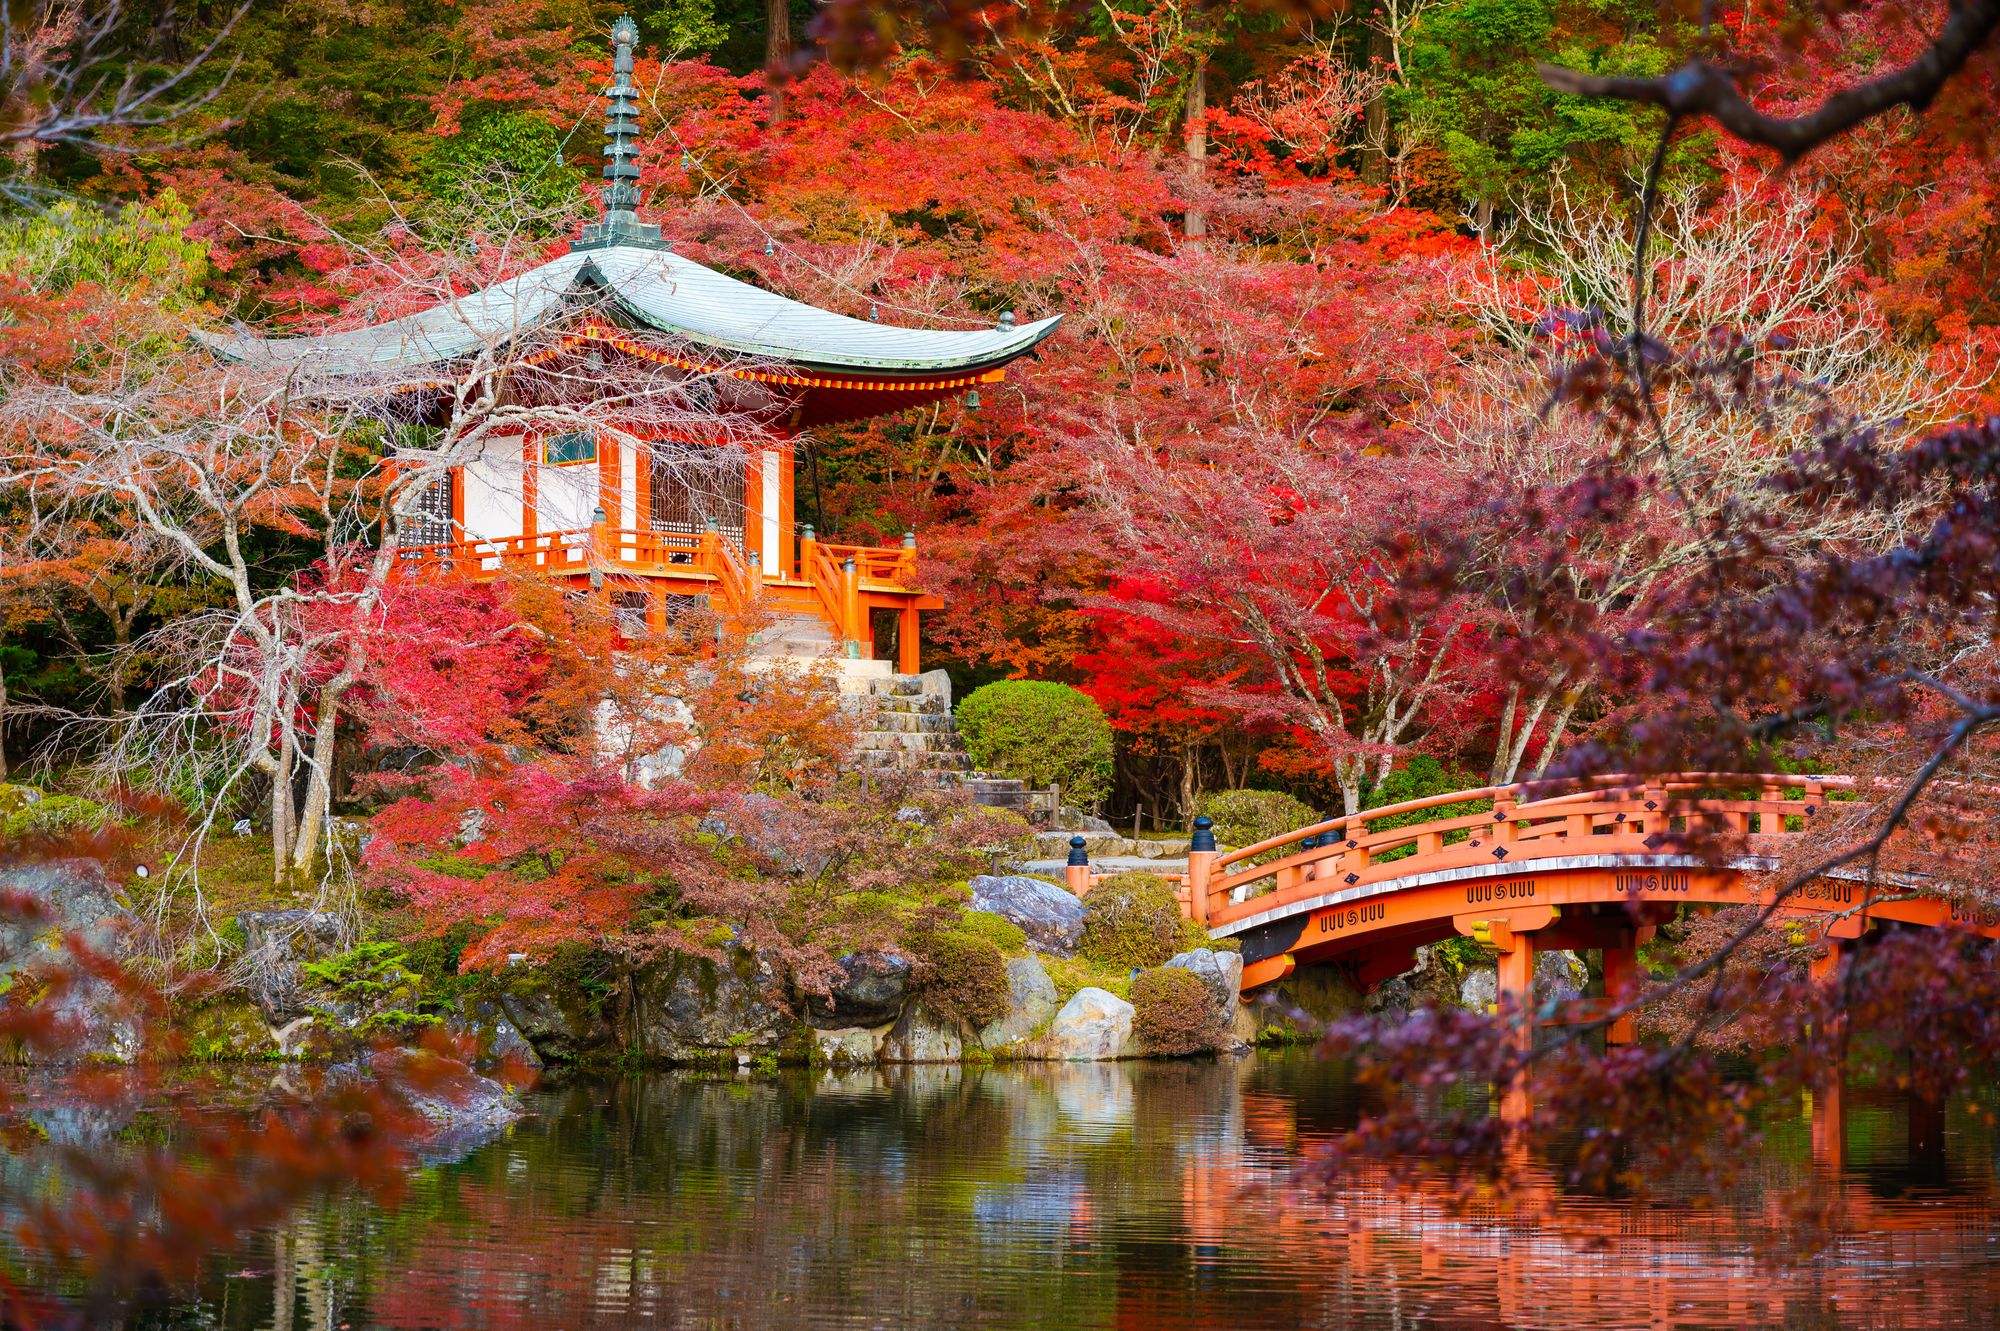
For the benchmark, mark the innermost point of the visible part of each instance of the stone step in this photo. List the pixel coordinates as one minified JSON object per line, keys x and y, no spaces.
{"x":908,"y":705}
{"x":927,"y":723}
{"x":906,"y":686}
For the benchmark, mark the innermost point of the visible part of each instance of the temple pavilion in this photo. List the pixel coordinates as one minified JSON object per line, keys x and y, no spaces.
{"x":622,"y":519}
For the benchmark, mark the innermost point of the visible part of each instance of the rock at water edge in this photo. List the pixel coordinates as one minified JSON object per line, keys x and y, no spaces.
{"x":1031,"y":1001}
{"x":921,"y":1036}
{"x":1095,"y":1024}
{"x":870,"y":992}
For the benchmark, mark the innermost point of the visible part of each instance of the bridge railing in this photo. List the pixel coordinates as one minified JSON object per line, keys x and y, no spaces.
{"x":1520,"y":823}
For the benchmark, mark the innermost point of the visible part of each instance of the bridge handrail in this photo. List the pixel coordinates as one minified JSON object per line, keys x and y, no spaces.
{"x":1596,"y":789}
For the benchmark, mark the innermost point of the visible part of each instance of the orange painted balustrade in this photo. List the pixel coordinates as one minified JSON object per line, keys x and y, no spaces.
{"x":839,"y":584}
{"x":1528,"y":868}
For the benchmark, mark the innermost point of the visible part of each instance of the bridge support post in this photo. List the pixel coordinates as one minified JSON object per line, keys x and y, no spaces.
{"x":1621,"y":982}
{"x":1517,"y":981}
{"x":1076,"y":874}
{"x":1201,"y":864}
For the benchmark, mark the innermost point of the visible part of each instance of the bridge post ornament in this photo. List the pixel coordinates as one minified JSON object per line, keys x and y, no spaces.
{"x":1076,"y":873}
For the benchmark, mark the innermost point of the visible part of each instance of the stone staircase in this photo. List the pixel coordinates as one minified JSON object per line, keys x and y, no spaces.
{"x":907,"y":726}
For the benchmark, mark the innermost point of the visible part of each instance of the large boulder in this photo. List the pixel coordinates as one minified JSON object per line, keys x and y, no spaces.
{"x":851,"y":1046}
{"x":692,"y":1009}
{"x":78,"y":902}
{"x":1051,"y":917}
{"x":496,"y":1039}
{"x":870,"y":992}
{"x":1479,"y":991}
{"x":276,"y":944}
{"x":1222,"y":972}
{"x":1095,"y":1024}
{"x":561,"y":1021}
{"x":1031,"y":1001}
{"x":923,"y":1036}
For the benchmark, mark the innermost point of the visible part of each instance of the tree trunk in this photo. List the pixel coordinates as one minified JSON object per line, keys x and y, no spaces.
{"x":319,"y":782}
{"x":1503,"y":744}
{"x":1190,"y":780}
{"x":1375,"y":116}
{"x":3,"y":722}
{"x":1195,"y":220}
{"x":282,"y":808}
{"x":777,"y":52}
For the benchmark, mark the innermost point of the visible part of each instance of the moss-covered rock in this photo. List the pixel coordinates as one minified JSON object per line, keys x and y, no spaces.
{"x":227,"y":1028}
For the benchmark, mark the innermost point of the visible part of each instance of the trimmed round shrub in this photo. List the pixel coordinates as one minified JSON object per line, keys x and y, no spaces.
{"x":1041,"y":733}
{"x":1174,"y":1012}
{"x":1132,"y":919}
{"x":968,"y":978}
{"x":1245,"y":817}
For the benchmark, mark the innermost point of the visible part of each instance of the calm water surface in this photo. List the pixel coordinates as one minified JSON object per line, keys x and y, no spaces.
{"x":1117,"y":1196}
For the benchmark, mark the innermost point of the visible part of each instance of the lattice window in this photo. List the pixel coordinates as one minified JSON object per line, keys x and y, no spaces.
{"x":694,"y":485}
{"x":430,"y":524}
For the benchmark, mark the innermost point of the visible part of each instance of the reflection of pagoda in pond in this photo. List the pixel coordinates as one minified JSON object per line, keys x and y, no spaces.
{"x":659,"y":514}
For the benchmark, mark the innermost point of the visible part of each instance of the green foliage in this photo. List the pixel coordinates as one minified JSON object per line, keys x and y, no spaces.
{"x":1474,"y":89}
{"x":1414,"y":780}
{"x":366,"y":974}
{"x":1245,"y":817}
{"x":25,"y":811}
{"x":683,"y":27}
{"x":141,"y":248}
{"x":1132,"y":919}
{"x":503,"y":163}
{"x":998,"y":930}
{"x":1070,"y":974}
{"x":1458,"y":955}
{"x":1042,"y":733}
{"x":1175,"y":1012}
{"x":967,"y":977}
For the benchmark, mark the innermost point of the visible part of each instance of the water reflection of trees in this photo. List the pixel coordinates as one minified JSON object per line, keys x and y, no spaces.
{"x":1092,"y":1196}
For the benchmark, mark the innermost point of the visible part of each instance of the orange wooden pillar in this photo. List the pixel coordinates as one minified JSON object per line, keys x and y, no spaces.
{"x":1517,"y":981}
{"x":907,"y":661}
{"x":1201,"y":865}
{"x":1621,"y":982}
{"x":852,"y":623}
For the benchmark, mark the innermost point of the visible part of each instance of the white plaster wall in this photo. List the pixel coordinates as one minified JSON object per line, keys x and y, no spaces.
{"x":768,"y":468}
{"x":492,"y":483}
{"x":628,"y":487}
{"x":565,"y":496}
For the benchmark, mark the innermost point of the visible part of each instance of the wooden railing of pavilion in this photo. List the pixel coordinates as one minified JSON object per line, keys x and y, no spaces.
{"x":832,"y":577}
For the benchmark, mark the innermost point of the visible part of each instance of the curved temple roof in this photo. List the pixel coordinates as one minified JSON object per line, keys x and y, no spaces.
{"x":652,"y":288}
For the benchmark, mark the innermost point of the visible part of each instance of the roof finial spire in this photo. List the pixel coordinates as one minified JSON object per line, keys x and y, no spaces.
{"x":621,"y":224}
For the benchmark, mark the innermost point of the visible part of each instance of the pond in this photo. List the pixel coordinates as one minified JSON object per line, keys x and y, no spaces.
{"x":1105,"y":1195}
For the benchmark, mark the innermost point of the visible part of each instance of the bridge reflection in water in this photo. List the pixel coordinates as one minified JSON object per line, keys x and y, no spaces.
{"x":1132,"y":1195}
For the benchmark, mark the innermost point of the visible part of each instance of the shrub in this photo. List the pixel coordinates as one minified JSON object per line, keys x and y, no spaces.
{"x":1174,"y":1012}
{"x":968,"y":977}
{"x":1245,"y":817}
{"x":1042,"y":733}
{"x":1421,"y":776}
{"x":1132,"y":919}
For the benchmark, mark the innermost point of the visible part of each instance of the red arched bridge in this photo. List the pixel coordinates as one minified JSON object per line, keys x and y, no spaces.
{"x":1521,"y":869}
